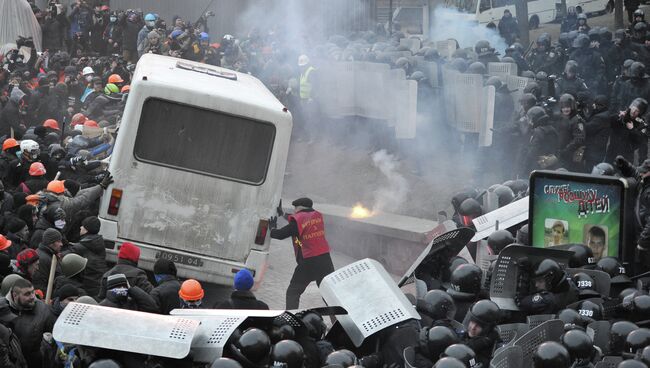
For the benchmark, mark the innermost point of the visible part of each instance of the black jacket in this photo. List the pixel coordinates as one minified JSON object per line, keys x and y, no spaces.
{"x":41,"y":275}
{"x":598,"y":128}
{"x":39,"y":228}
{"x":92,"y":248}
{"x":166,"y":294}
{"x":29,"y":328}
{"x":134,"y":275}
{"x":138,"y":300}
{"x":11,"y":354}
{"x":242,"y":299}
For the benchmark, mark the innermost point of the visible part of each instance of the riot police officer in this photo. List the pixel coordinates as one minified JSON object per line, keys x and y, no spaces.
{"x":591,"y":65}
{"x":570,"y":82}
{"x":465,"y":288}
{"x":554,"y":290}
{"x":481,"y":336}
{"x":551,"y":354}
{"x":543,"y":57}
{"x":571,"y":129}
{"x":543,"y":142}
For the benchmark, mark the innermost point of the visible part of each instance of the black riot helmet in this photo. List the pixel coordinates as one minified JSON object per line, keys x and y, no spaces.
{"x":343,"y":358}
{"x":620,"y":35}
{"x":105,"y":363}
{"x":315,"y":325}
{"x":594,"y":35}
{"x":544,"y":41}
{"x":603,"y":168}
{"x":458,"y":64}
{"x":579,"y":345}
{"x":581,"y":42}
{"x":605,"y":34}
{"x":551,"y":354}
{"x":469,"y":210}
{"x":641,"y":305}
{"x":282,"y":332}
{"x":225,"y":363}
{"x":636,"y":340}
{"x":528,"y":101}
{"x":571,"y":317}
{"x":499,"y":240}
{"x":637,"y":70}
{"x":440,"y":338}
{"x":586,"y":285}
{"x":536,"y":114}
{"x":551,"y":272}
{"x":439,"y":305}
{"x":590,"y":311}
{"x":582,"y":256}
{"x":287,"y":354}
{"x":522,"y":235}
{"x":618,"y":334}
{"x":631,"y":363}
{"x":486,"y":313}
{"x":614,"y":269}
{"x":534,"y":88}
{"x":541,"y":76}
{"x":640,"y":29}
{"x":571,"y":69}
{"x":465,"y":282}
{"x":477,"y":68}
{"x":645,"y":355}
{"x":518,"y":186}
{"x":639,"y":14}
{"x":463,"y":353}
{"x":449,"y":362}
{"x":482,"y":48}
{"x":254,"y":344}
{"x":582,"y":17}
{"x":505,"y":194}
{"x":455,"y":262}
{"x":567,"y":100}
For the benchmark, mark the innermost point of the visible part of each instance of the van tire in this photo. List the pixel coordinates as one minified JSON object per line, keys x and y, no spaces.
{"x":533,"y":23}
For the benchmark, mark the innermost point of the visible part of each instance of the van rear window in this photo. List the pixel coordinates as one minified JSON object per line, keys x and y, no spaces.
{"x":204,"y":141}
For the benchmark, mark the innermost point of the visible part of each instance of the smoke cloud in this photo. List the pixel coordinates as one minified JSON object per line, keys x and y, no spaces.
{"x":391,"y":197}
{"x":451,"y":23}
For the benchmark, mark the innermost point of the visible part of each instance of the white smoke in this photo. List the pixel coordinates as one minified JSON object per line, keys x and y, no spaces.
{"x":390,"y":197}
{"x":450,"y":23}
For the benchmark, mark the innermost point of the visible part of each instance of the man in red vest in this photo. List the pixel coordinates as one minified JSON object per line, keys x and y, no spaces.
{"x":307,"y":231}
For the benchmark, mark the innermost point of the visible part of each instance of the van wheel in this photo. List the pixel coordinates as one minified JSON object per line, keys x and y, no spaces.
{"x":533,"y":23}
{"x":578,"y":9}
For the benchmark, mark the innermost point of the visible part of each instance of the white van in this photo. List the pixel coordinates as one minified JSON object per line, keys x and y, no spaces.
{"x":491,"y":11}
{"x":198,"y":164}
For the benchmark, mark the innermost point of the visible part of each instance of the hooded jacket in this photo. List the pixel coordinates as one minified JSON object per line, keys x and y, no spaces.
{"x":134,"y":275}
{"x":10,"y":115}
{"x":91,"y":247}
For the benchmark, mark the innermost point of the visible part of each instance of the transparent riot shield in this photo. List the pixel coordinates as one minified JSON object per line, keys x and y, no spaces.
{"x":547,"y":331}
{"x":509,"y":357}
{"x":502,"y":69}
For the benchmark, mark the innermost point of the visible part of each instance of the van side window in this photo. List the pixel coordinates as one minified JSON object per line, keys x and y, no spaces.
{"x":485,"y":5}
{"x":203,"y":141}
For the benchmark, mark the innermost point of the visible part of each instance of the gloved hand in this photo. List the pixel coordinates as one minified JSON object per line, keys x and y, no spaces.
{"x":620,"y":161}
{"x":273,"y":222}
{"x":279,"y":209}
{"x":108,"y":180}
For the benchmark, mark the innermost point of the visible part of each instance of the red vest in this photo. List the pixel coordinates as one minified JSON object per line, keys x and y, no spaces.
{"x":310,"y":241}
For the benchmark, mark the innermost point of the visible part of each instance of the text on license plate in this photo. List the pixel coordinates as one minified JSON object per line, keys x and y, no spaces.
{"x":180,"y":258}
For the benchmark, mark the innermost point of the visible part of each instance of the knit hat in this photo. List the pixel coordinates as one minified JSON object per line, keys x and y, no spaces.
{"x":14,"y":224}
{"x":5,"y":264}
{"x":91,"y":224}
{"x":50,"y":236}
{"x":26,"y":258}
{"x":67,"y":291}
{"x":115,"y":281}
{"x":72,"y":187}
{"x":130,"y":252}
{"x":243,"y":280}
{"x":164,"y":267}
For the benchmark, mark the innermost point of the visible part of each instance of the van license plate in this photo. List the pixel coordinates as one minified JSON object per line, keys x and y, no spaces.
{"x":180,"y":258}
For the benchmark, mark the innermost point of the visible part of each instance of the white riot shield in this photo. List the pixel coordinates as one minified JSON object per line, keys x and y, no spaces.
{"x":345,"y":89}
{"x":502,"y":69}
{"x":517,"y":85}
{"x":509,"y":215}
{"x":414,"y":44}
{"x":487,"y":117}
{"x":370,"y":296}
{"x":370,"y":84}
{"x":448,"y":81}
{"x":125,"y":330}
{"x":446,"y":48}
{"x":406,"y":107}
{"x":396,"y":77}
{"x":468,"y":96}
{"x":328,"y":89}
{"x":216,"y":327}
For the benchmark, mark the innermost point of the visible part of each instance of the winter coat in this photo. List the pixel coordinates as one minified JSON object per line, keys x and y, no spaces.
{"x":11,"y":354}
{"x":92,"y":248}
{"x":33,"y":185}
{"x":134,"y":275}
{"x":39,"y":228}
{"x":76,"y":281}
{"x":29,"y":328}
{"x":54,"y":33}
{"x":10,"y":116}
{"x":543,"y":142}
{"x":572,"y":138}
{"x":84,"y":199}
{"x":130,"y":36}
{"x":42,"y":274}
{"x":598,"y":128}
{"x":166,"y":294}
{"x":138,"y":300}
{"x":242,"y":299}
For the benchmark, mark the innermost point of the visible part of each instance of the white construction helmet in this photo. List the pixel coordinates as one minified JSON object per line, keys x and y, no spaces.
{"x":88,"y":70}
{"x":303,"y":60}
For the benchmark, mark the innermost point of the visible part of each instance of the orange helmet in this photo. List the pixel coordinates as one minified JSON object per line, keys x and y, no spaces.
{"x":191,"y":291}
{"x":9,"y":143}
{"x":77,"y":119}
{"x":4,"y":242}
{"x":37,"y":169}
{"x":91,"y":123}
{"x":56,"y":186}
{"x":33,"y":199}
{"x":51,"y":123}
{"x":126,"y":88}
{"x":115,"y":78}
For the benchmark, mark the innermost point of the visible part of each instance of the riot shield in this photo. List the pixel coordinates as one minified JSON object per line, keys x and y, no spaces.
{"x":599,"y":333}
{"x":502,"y":69}
{"x":487,"y":117}
{"x":503,"y":286}
{"x":467,"y":90}
{"x":451,"y":242}
{"x":511,"y":331}
{"x":413,"y":44}
{"x":371,"y":297}
{"x":484,"y":259}
{"x":370,"y":90}
{"x":537,"y":319}
{"x":448,"y":80}
{"x":328,"y":89}
{"x":409,"y":357}
{"x":446,"y":48}
{"x":125,"y":330}
{"x":516,"y":85}
{"x":406,"y":108}
{"x":508,"y":357}
{"x":547,"y":331}
{"x":507,"y":216}
{"x":218,"y":324}
{"x":602,"y":279}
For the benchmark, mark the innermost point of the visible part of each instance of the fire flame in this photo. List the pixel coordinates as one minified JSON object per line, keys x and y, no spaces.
{"x":359,"y":212}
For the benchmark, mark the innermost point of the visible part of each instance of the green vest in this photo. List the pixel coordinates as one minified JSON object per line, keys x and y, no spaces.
{"x":305,"y":84}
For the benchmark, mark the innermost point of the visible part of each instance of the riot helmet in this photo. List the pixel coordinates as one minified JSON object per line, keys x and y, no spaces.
{"x":551,"y":354}
{"x":582,"y":256}
{"x":499,"y":240}
{"x":639,"y":15}
{"x":463,"y":353}
{"x":528,"y":101}
{"x":439,"y":305}
{"x":458,"y":64}
{"x":449,"y":362}
{"x":534,"y":88}
{"x":543,"y":41}
{"x":465,"y":282}
{"x":571,"y":317}
{"x":282,"y":332}
{"x":571,"y":69}
{"x":567,"y":103}
{"x":341,"y":358}
{"x":613,"y":268}
{"x":287,"y":354}
{"x":254,"y":344}
{"x":505,"y":194}
{"x":637,"y":70}
{"x":477,"y":68}
{"x":603,"y":168}
{"x":581,"y":42}
{"x":550,"y":272}
{"x":641,"y":304}
{"x":494,"y":81}
{"x":469,"y":210}
{"x":631,"y":363}
{"x":536,"y":115}
{"x":482,"y":48}
{"x":582,"y":19}
{"x":440,"y":338}
{"x":315,"y":325}
{"x":486,"y":314}
{"x":579,"y":345}
{"x":618,"y":334}
{"x":586,"y":285}
{"x":639,"y":104}
{"x":635,"y":341}
{"x":225,"y":363}
{"x":590,"y":311}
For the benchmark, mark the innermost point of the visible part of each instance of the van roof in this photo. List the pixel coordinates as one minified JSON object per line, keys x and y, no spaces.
{"x":177,"y":72}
